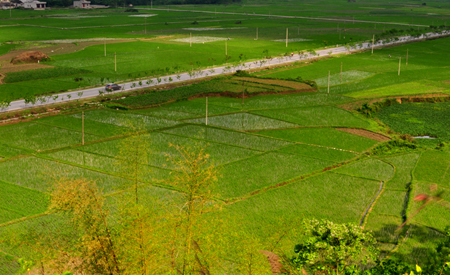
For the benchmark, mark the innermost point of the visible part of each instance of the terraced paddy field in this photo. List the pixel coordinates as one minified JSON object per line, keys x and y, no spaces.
{"x":284,"y":155}
{"x":84,"y":44}
{"x":279,"y":156}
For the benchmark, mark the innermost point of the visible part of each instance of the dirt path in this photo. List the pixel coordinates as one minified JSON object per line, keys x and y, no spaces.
{"x":365,"y":133}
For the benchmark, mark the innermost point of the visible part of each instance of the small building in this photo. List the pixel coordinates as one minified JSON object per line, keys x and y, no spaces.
{"x":33,"y":4}
{"x":82,"y":4}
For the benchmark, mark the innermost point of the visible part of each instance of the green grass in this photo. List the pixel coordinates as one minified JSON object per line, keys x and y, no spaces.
{"x":324,"y":137}
{"x":323,"y":153}
{"x":369,"y":168}
{"x":317,"y":116}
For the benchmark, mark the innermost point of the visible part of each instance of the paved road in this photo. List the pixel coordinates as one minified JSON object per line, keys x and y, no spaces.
{"x":153,"y":82}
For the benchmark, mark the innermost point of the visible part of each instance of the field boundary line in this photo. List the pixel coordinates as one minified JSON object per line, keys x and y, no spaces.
{"x":371,"y":204}
{"x":217,"y":142}
{"x":290,"y":181}
{"x":25,"y":218}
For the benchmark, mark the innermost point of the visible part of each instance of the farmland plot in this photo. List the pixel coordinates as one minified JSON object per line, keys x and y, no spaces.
{"x":326,"y":137}
{"x":433,"y":167}
{"x":37,"y":173}
{"x":127,"y":119}
{"x":42,"y":137}
{"x":404,"y":165}
{"x":244,"y":122}
{"x":242,"y":177}
{"x":323,"y":153}
{"x":435,"y":215}
{"x":348,"y":76}
{"x":165,"y":113}
{"x":369,"y":168}
{"x":90,"y":126}
{"x":20,"y":202}
{"x":7,"y":151}
{"x":316,"y":116}
{"x":246,"y":140}
{"x":280,"y":102}
{"x":198,"y":108}
{"x":319,"y":197}
{"x":160,"y":149}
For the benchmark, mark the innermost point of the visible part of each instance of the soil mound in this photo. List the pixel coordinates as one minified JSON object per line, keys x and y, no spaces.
{"x":29,"y":57}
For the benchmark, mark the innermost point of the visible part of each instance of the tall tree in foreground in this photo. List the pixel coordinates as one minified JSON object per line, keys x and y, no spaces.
{"x":83,"y":202}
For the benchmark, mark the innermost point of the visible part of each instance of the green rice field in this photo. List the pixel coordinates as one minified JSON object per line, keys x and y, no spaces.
{"x":281,"y":157}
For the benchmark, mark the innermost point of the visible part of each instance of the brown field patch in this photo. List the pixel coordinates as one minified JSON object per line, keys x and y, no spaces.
{"x":284,"y":83}
{"x":29,"y":57}
{"x":351,"y":106}
{"x":365,"y":133}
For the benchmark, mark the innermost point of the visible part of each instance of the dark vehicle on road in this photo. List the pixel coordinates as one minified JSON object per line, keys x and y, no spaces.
{"x":112,"y":87}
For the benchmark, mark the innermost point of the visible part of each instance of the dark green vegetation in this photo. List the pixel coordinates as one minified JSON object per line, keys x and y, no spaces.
{"x":419,"y":119}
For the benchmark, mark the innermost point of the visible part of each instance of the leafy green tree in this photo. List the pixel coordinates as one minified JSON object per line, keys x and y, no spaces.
{"x":334,"y":248}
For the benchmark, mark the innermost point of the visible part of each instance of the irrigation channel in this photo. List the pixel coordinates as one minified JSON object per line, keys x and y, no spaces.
{"x":226,"y":69}
{"x":370,"y":204}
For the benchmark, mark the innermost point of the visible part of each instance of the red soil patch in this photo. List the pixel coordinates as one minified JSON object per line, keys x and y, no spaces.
{"x":284,"y":83}
{"x":247,"y":95}
{"x":274,"y":261}
{"x":29,"y":57}
{"x":365,"y":133}
{"x":417,"y":98}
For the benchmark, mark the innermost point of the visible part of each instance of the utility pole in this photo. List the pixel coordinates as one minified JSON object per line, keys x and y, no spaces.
{"x":206,"y":118}
{"x":287,"y":34}
{"x":373,"y":42}
{"x":243,"y":91}
{"x":115,"y":62}
{"x":399,"y":63}
{"x":407,"y":57}
{"x":82,"y":128}
{"x":328,"y":81}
